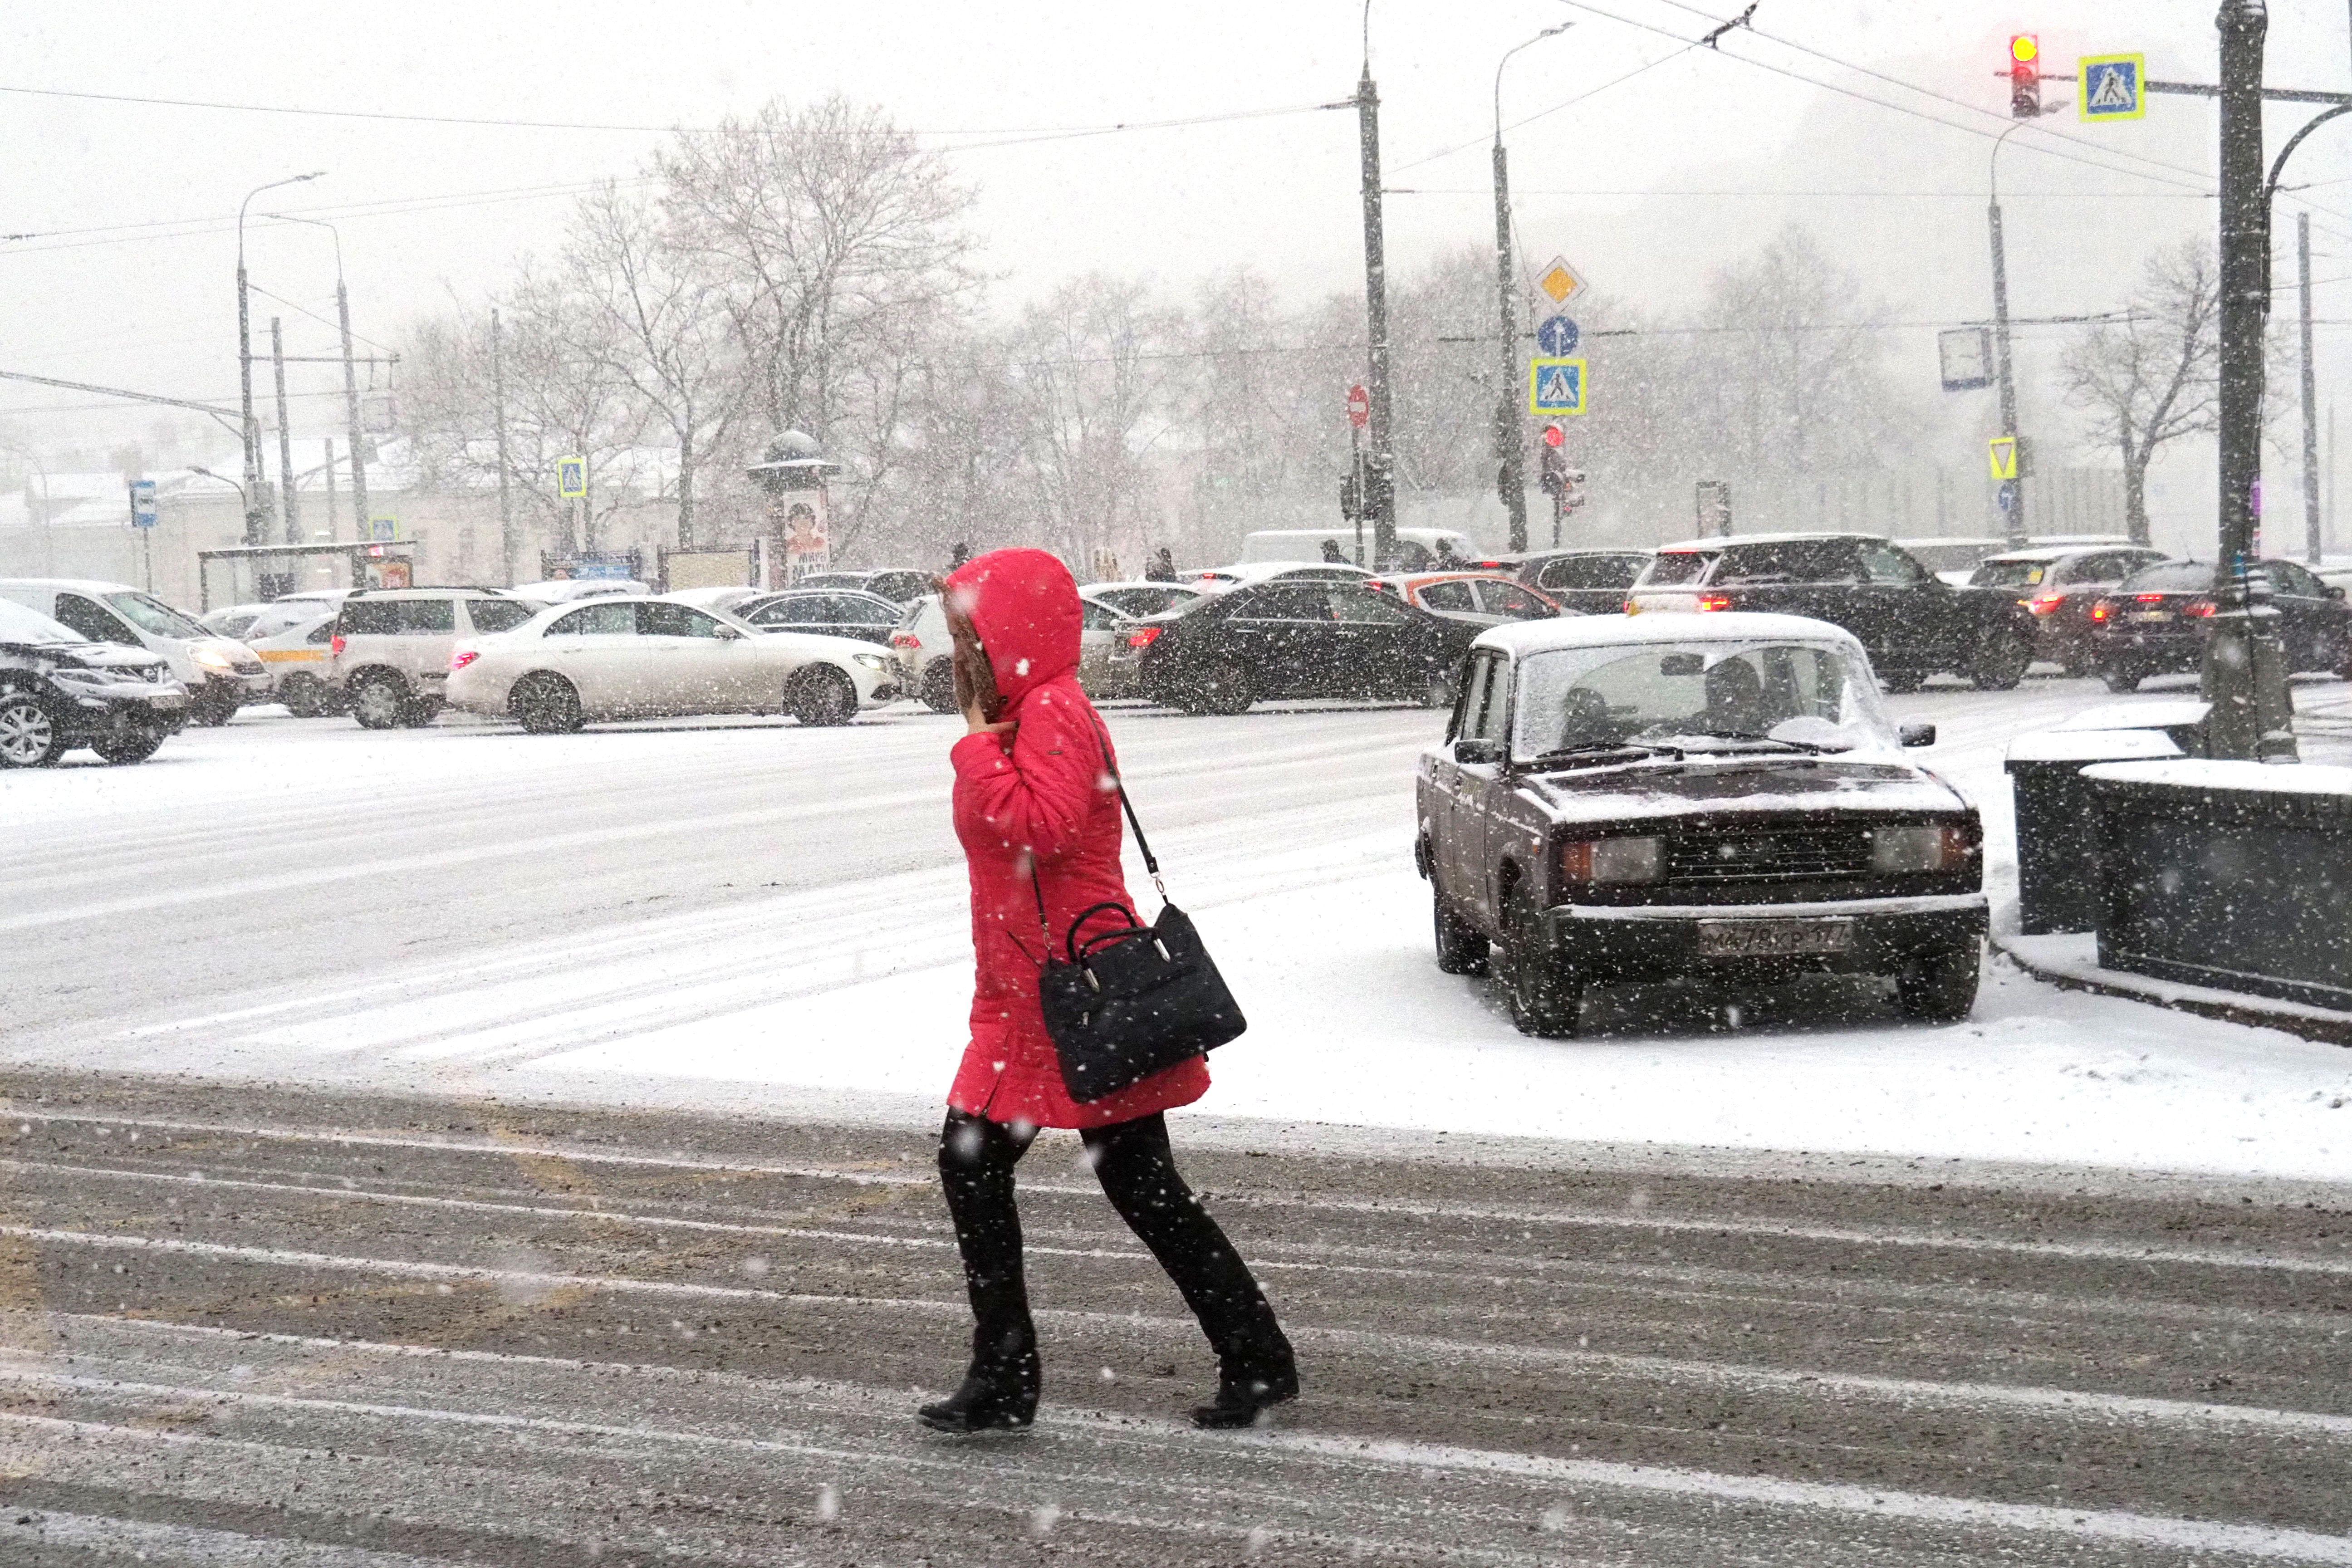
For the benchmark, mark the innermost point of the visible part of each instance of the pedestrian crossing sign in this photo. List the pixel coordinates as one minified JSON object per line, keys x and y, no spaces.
{"x":1555,"y":386}
{"x":571,"y":478}
{"x":2114,"y":87}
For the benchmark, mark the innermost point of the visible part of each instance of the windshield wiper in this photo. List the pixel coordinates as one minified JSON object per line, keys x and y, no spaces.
{"x":1602,"y":750}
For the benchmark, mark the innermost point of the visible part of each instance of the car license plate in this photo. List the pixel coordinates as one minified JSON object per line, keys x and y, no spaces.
{"x":1773,"y":939}
{"x":167,"y":702}
{"x":2151,"y":615}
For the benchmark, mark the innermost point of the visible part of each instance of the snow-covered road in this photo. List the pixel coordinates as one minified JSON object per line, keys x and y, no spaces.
{"x":752,"y":914}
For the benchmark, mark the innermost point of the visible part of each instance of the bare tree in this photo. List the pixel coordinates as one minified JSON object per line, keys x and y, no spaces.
{"x":659,"y":323}
{"x":2150,"y":378}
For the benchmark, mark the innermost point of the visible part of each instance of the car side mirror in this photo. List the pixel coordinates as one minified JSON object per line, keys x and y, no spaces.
{"x":2335,"y":592}
{"x":1471,"y":751}
{"x":1916,"y":732}
{"x":729,"y":634}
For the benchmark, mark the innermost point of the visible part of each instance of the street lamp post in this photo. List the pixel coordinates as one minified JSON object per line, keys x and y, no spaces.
{"x":1510,"y":478}
{"x":1379,"y":475}
{"x":350,"y":385}
{"x":252,"y":486}
{"x":2016,"y":520}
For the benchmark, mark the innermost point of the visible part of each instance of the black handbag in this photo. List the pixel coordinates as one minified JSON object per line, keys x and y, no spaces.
{"x":1131,"y":1000}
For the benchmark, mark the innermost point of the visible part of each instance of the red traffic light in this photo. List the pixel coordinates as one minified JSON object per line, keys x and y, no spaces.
{"x":2024,"y":75}
{"x":1553,"y":436}
{"x":2024,"y":50}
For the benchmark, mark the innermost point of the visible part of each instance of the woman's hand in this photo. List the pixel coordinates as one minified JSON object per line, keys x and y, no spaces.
{"x":975,"y":678}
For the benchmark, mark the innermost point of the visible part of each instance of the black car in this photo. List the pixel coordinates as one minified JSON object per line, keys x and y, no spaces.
{"x":2058,"y":585}
{"x":1913,"y":623}
{"x":1650,"y":799}
{"x":2154,"y":622}
{"x":1299,"y":638}
{"x":902,"y":585}
{"x":59,"y":690}
{"x":1582,"y":582}
{"x":868,"y":617}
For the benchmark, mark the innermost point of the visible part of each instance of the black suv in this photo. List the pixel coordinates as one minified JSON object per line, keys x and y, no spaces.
{"x":59,"y":690}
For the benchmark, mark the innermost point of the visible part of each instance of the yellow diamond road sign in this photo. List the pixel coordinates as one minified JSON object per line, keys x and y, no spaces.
{"x":2002,"y":449}
{"x":1559,"y":281}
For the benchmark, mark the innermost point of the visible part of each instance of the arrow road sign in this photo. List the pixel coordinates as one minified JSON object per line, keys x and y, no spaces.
{"x":1555,"y":386}
{"x":1556,"y":336}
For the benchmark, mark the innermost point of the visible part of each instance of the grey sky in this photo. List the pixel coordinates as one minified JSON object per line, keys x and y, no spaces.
{"x":156,"y":310}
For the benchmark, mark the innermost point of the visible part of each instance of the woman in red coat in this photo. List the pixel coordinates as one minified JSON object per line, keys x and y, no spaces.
{"x":1037,"y":811}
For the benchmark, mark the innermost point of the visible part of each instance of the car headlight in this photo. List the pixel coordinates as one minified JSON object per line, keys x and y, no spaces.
{"x":91,"y":675}
{"x":1895,"y":852}
{"x":1599,"y":860}
{"x":212,"y":659}
{"x":874,"y":661}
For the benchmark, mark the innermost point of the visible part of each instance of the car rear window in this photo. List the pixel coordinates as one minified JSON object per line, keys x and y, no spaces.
{"x":2009,"y":574}
{"x":1677,"y":568}
{"x":2172,"y":578}
{"x":499,"y":615}
{"x":1790,"y":561}
{"x":1595,"y":571}
{"x":398,"y":618}
{"x":1455,"y":596}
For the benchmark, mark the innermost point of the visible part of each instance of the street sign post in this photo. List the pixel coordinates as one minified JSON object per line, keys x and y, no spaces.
{"x":1559,"y":282}
{"x":571,"y":478}
{"x":2007,"y":497}
{"x":1964,"y":354}
{"x":1359,"y":407}
{"x":2003,"y":452}
{"x":1353,"y":502}
{"x":1556,"y":336}
{"x":1555,"y":387}
{"x":2114,"y":87}
{"x":142,"y":504}
{"x":384,"y":530}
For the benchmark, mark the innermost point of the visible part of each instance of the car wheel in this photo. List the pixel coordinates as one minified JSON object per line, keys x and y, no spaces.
{"x":2121,"y":678}
{"x":1545,"y":998}
{"x":545,"y":704}
{"x":213,"y":710}
{"x":305,"y":696}
{"x":821,"y":695}
{"x":127,"y":744}
{"x":938,"y":686}
{"x":419,"y":712}
{"x":1223,"y":687}
{"x":1939,"y":987}
{"x":378,"y":702}
{"x":2000,"y":661}
{"x":1461,"y":949}
{"x":1900,"y":681}
{"x":28,"y":736}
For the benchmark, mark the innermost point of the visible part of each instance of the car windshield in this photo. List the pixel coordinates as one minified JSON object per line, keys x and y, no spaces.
{"x":1673,"y":568}
{"x":2009,"y":575}
{"x":1697,"y":696}
{"x":155,"y":616}
{"x":18,"y":623}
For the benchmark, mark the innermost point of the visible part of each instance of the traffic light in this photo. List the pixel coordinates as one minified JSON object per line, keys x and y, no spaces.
{"x":2024,"y":77}
{"x":1554,"y":475}
{"x":1351,"y":497}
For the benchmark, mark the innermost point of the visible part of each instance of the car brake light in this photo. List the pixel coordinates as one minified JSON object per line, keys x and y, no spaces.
{"x":905,"y":639}
{"x":462,"y":657}
{"x":1714,"y":601}
{"x":2198,"y":607}
{"x":2103,"y":609}
{"x":2149,"y":598}
{"x":1141,"y":636}
{"x":2042,"y":603}
{"x":338,"y":642}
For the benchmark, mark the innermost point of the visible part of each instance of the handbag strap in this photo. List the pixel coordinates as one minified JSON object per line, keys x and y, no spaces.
{"x":1151,"y":862}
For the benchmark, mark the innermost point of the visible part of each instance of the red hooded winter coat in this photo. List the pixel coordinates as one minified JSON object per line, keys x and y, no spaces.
{"x":1046,"y":799}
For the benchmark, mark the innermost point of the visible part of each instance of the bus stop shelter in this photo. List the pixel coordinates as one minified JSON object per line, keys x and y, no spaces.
{"x":246,"y":573}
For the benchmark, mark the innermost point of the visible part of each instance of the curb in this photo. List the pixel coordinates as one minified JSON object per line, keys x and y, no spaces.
{"x":2071,"y":959}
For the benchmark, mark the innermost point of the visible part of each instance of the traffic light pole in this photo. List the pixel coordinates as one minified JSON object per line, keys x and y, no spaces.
{"x":1510,"y":476}
{"x":1379,"y":486}
{"x":2015,"y":523}
{"x":2245,"y":673}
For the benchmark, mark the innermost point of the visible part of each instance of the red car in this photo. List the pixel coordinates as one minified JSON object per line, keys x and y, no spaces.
{"x":1477,"y":598}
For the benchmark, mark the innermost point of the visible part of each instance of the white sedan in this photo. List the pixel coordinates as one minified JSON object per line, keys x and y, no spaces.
{"x":643,"y":658}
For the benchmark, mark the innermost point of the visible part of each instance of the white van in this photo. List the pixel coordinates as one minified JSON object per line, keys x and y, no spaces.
{"x":219,"y":673}
{"x":1417,"y":548}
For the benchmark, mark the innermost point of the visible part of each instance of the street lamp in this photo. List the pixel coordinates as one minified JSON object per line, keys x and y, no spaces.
{"x":351,"y":384}
{"x":222,"y":478}
{"x":244,"y":360}
{"x":1510,"y":478}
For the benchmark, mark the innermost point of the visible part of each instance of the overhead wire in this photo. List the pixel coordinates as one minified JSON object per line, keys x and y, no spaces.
{"x":1555,"y":109}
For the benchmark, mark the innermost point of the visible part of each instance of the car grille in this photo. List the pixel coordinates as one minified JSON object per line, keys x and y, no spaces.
{"x":247,"y":665}
{"x":1769,"y":854}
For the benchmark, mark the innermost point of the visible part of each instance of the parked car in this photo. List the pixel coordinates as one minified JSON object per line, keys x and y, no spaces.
{"x":1417,"y":548}
{"x":2154,"y":622}
{"x":899,"y":585}
{"x":839,"y":612}
{"x":389,"y":651}
{"x":2058,"y":585}
{"x":1141,"y":598}
{"x":1294,"y":638}
{"x":60,"y":690}
{"x":1107,"y":661}
{"x":633,"y":659}
{"x":218,"y":674}
{"x":300,"y":658}
{"x":1482,"y":599}
{"x":1587,"y":582}
{"x":1691,"y":796}
{"x":1225,"y":579}
{"x":246,"y":622}
{"x":1913,"y":623}
{"x":731,"y":599}
{"x":562,"y":590}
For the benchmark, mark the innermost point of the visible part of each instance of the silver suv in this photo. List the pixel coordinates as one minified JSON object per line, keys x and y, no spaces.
{"x":392,"y":646}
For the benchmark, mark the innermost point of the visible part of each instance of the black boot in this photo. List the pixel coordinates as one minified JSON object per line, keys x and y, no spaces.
{"x":998,"y":1393}
{"x":1243,"y":1392}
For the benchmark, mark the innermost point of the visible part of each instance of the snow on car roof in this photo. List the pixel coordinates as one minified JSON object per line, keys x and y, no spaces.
{"x":1770,"y":539}
{"x":1524,"y":637}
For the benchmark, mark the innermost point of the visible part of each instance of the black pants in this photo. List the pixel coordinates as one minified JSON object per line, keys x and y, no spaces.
{"x":1137,"y":1171}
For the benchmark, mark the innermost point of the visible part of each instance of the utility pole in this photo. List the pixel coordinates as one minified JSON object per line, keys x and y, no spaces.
{"x":2244,"y":675}
{"x":1380,"y":473}
{"x":1510,"y":476}
{"x":2016,"y":518}
{"x":351,"y":412}
{"x":285,"y":435}
{"x":252,"y":430}
{"x":330,"y":471}
{"x":510,"y":546}
{"x":2311,"y":539}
